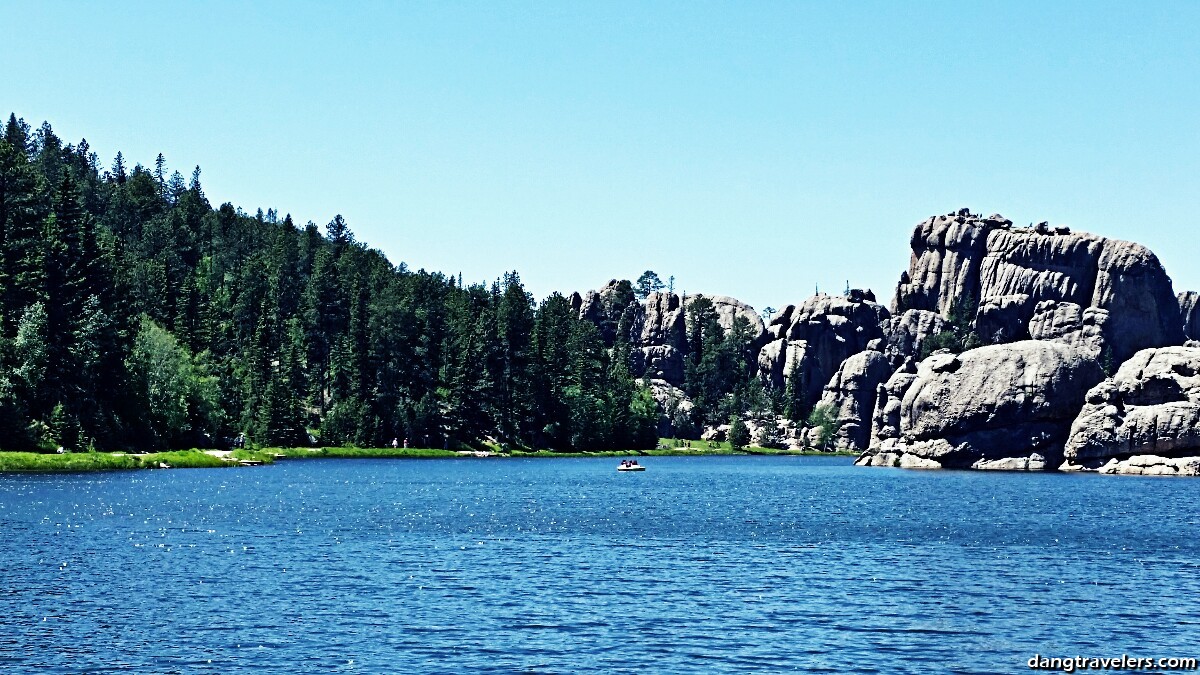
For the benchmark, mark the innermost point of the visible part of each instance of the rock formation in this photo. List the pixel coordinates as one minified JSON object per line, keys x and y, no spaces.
{"x":1001,"y":274}
{"x":1068,"y":323}
{"x":606,"y":307}
{"x":1056,"y":310}
{"x":889,"y":396}
{"x":1145,"y":419}
{"x":728,"y":309}
{"x":852,"y":392}
{"x":658,"y":333}
{"x":1189,"y":309}
{"x":819,"y":335}
{"x":999,"y":406}
{"x":657,"y":328}
{"x":907,"y":333}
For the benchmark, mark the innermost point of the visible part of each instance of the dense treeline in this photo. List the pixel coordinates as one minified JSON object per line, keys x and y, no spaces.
{"x":136,"y":315}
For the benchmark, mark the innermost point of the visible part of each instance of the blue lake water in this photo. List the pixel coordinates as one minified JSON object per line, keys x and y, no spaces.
{"x":706,"y":564}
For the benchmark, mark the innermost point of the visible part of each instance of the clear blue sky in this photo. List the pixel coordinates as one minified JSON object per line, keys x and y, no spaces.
{"x":752,"y":149}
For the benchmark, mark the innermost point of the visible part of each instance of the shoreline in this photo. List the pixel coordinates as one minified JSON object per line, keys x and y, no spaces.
{"x":88,"y":462}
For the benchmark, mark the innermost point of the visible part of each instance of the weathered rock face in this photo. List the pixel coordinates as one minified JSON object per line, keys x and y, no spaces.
{"x":1145,"y":465}
{"x":885,"y":422}
{"x":852,"y":392}
{"x":821,"y":333}
{"x":998,"y":402}
{"x":1003,"y":274}
{"x":660,"y":362}
{"x":907,"y":332}
{"x":1150,"y":408}
{"x":605,"y":307}
{"x":728,"y":309}
{"x":777,"y":356}
{"x":1189,"y":310}
{"x":947,"y":252}
{"x":661,"y":322}
{"x":657,"y":328}
{"x":658,"y":332}
{"x":673,"y":406}
{"x":1069,"y":324}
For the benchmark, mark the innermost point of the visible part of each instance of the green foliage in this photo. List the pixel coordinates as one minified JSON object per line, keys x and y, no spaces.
{"x":183,"y":459}
{"x":946,"y":339}
{"x":795,"y":386}
{"x":180,"y":400}
{"x":739,"y":434}
{"x":768,"y":436}
{"x":103,"y":461}
{"x":823,"y":418}
{"x":136,"y":314}
{"x":86,"y":461}
{"x":647,"y":283}
{"x":350,"y":452}
{"x":717,"y":368}
{"x":960,"y":334}
{"x":1107,"y":362}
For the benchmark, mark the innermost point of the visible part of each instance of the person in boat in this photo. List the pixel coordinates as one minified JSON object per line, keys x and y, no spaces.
{"x":633,"y":462}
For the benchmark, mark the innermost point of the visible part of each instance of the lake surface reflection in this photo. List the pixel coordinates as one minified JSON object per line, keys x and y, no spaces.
{"x":698,"y":564}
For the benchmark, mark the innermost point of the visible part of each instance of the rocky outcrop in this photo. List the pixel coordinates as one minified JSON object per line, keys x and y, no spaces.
{"x":818,"y":336}
{"x":990,"y":405}
{"x":1189,"y":310}
{"x":606,"y":307}
{"x":1147,"y":415}
{"x":947,"y":252}
{"x":775,"y":360}
{"x":658,"y":333}
{"x":851,"y":393}
{"x":728,"y":309}
{"x":661,"y":321}
{"x":1000,"y":275}
{"x":1056,"y":308}
{"x":660,"y":362}
{"x":1070,"y":324}
{"x":674,"y":407}
{"x":907,"y":333}
{"x":657,"y":328}
{"x":1145,"y":465}
{"x":885,"y":422}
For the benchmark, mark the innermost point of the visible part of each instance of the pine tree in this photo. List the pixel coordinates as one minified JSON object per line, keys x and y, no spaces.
{"x":795,"y":402}
{"x":647,"y":283}
{"x":119,"y":174}
{"x":22,"y":213}
{"x":49,"y":152}
{"x":513,"y":389}
{"x":739,"y":434}
{"x":16,"y":133}
{"x":552,"y":370}
{"x":160,"y":176}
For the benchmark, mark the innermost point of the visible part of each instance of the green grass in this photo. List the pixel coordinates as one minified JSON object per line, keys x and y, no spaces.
{"x":195,"y":459}
{"x":105,"y":461}
{"x":264,"y":456}
{"x":184,"y":459}
{"x":361,"y":453}
{"x":75,"y":461}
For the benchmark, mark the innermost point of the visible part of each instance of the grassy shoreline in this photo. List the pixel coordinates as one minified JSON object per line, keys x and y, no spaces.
{"x":32,"y":462}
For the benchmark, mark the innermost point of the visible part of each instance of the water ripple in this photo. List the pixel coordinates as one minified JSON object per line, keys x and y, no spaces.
{"x":699,"y":564}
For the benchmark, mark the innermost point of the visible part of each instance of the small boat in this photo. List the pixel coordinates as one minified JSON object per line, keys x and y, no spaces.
{"x":630,"y":467}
